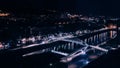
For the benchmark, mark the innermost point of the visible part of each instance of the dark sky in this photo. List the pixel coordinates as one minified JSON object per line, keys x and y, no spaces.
{"x":108,"y":7}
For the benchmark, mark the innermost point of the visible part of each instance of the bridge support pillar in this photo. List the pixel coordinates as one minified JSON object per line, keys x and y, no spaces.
{"x":88,"y":40}
{"x":94,"y":39}
{"x":85,"y":40}
{"x":91,"y":40}
{"x":97,"y":37}
{"x":102,"y":37}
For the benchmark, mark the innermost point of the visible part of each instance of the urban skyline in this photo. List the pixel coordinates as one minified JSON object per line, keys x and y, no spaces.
{"x":59,"y":34}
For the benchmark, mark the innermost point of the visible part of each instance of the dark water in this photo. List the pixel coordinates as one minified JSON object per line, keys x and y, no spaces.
{"x":47,"y":60}
{"x":15,"y":60}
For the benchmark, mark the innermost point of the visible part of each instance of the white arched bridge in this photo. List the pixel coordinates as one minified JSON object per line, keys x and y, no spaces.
{"x":72,"y":47}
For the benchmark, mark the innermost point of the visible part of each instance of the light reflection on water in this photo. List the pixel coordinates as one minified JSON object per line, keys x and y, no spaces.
{"x":82,"y":61}
{"x":72,"y":66}
{"x":79,"y":64}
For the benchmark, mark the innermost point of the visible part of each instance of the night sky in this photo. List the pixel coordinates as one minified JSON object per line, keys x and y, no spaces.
{"x":107,"y":7}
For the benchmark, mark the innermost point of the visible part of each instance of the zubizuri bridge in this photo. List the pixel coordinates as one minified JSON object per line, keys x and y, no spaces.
{"x":91,"y":45}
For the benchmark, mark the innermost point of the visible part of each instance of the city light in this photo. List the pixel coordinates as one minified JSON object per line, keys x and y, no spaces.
{"x":4,"y":14}
{"x":58,"y":38}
